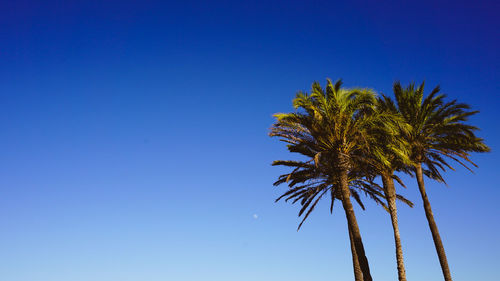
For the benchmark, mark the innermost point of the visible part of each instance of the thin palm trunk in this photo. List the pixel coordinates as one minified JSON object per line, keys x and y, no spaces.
{"x":390,"y":194}
{"x":353,"y":225}
{"x":358,"y":274}
{"x":432,"y":225}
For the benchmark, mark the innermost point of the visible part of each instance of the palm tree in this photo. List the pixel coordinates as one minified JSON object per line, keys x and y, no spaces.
{"x":389,"y":153}
{"x":331,"y":128}
{"x":437,"y":132}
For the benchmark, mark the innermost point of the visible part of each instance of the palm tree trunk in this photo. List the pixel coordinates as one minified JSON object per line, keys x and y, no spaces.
{"x":358,"y":274}
{"x":353,"y":225}
{"x":432,"y":225}
{"x":390,"y":195}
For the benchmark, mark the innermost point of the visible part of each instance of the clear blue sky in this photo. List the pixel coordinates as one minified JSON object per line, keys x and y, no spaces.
{"x":133,"y":137}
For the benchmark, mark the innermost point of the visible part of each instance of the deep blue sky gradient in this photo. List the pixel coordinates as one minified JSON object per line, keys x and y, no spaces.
{"x":133,"y":137}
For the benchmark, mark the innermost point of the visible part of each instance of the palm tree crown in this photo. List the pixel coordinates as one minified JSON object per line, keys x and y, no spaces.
{"x":437,"y":129}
